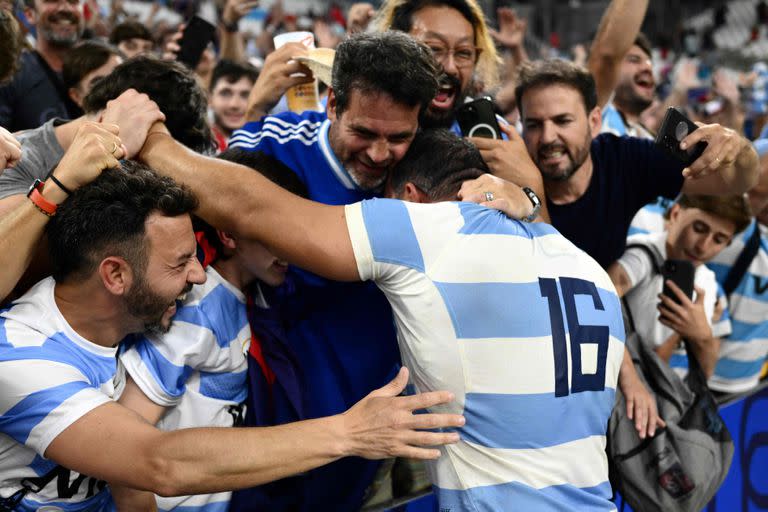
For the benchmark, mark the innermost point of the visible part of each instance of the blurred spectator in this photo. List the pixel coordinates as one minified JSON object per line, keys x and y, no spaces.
{"x":231,"y":84}
{"x":87,"y":62}
{"x":36,"y":92}
{"x":699,"y":227}
{"x":132,"y":38}
{"x":11,"y":47}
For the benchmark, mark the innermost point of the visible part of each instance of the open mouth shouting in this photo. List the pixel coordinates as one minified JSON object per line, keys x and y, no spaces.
{"x":447,"y":93}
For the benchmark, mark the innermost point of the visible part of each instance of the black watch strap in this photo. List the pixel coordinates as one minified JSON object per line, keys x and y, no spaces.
{"x":535,"y":201}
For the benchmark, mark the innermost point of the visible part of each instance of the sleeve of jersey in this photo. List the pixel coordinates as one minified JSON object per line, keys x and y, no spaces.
{"x":383,"y":238}
{"x":42,"y":398}
{"x":248,"y":137}
{"x":162,"y":366}
{"x":636,"y":264}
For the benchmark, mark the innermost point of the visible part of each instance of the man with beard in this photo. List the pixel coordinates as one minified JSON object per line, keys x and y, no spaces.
{"x":381,"y":82}
{"x":604,"y":179}
{"x":231,"y":84}
{"x":620,"y":62}
{"x":37,"y":93}
{"x":124,"y":252}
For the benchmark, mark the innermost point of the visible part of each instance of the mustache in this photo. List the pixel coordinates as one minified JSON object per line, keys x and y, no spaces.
{"x":555,"y":146}
{"x":64,"y":15}
{"x":446,"y":79}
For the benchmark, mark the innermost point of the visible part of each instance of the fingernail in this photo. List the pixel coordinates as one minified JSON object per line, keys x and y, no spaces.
{"x":683,"y":145}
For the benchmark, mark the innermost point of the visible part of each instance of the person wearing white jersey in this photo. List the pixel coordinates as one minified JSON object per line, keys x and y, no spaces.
{"x":124,"y":251}
{"x":484,"y":305}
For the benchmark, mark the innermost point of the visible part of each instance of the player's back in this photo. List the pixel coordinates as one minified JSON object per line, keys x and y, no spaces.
{"x":524,"y":328}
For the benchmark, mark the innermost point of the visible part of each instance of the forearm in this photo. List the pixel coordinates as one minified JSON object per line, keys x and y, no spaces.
{"x":616,"y":33}
{"x":706,"y":353}
{"x":237,"y":199}
{"x":744,"y":173}
{"x":232,"y":47}
{"x":191,"y":461}
{"x":529,"y":177}
{"x":627,"y":372}
{"x":20,"y":232}
{"x":666,"y":349}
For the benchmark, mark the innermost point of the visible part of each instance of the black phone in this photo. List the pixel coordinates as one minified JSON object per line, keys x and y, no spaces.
{"x":674,"y":128}
{"x":197,"y":34}
{"x":680,"y":272}
{"x":478,"y":119}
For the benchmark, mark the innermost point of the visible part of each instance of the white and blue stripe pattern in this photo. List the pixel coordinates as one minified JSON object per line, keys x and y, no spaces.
{"x":744,"y":352}
{"x":614,"y":123}
{"x":50,"y":377}
{"x":197,"y":370}
{"x":524,"y":328}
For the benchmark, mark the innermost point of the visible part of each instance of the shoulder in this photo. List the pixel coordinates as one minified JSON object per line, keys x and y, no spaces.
{"x":283,"y":128}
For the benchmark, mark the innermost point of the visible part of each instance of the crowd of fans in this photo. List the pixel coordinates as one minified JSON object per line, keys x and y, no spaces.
{"x":182,"y":254}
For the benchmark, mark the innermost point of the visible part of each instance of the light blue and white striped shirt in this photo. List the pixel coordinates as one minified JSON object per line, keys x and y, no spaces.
{"x":50,"y":377}
{"x":197,"y":370}
{"x":744,"y":352}
{"x":523,"y":327}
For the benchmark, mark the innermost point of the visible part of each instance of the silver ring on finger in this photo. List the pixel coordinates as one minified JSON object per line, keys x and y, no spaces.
{"x":489,"y":196}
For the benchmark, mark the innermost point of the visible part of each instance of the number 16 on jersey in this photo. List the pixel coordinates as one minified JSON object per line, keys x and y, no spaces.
{"x":596,"y":336}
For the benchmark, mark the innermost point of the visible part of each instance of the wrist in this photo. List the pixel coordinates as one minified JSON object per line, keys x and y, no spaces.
{"x":341,"y":444}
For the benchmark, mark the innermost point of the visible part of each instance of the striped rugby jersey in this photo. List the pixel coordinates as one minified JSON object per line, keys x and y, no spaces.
{"x":744,"y":352}
{"x":49,"y":378}
{"x":523,"y":327}
{"x":197,"y":370}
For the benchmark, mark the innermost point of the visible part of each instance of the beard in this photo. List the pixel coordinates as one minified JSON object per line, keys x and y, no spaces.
{"x":432,"y":117}
{"x":149,"y":307}
{"x":367,"y":183}
{"x":49,"y":32}
{"x":575,"y":160}
{"x":630,"y":100}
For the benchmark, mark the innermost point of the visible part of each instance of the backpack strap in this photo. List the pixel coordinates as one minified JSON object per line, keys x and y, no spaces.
{"x":739,"y":268}
{"x":652,"y":255}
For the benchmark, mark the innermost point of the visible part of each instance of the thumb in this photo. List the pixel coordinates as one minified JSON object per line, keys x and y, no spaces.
{"x":395,"y":386}
{"x":508,"y":130}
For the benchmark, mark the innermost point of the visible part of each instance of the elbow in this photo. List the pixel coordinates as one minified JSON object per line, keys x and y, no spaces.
{"x":162,"y":476}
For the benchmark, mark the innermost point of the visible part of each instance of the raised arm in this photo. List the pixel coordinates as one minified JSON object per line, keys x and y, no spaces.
{"x":236,"y":199}
{"x":205,"y":460}
{"x":616,"y":33}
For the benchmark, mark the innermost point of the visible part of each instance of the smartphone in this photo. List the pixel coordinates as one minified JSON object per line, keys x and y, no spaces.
{"x":197,"y":34}
{"x":680,"y":272}
{"x":674,"y":128}
{"x":478,"y":119}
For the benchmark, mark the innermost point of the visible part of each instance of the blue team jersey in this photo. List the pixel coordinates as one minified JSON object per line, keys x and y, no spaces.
{"x":49,"y":378}
{"x":524,"y":328}
{"x":342,"y":333}
{"x":744,"y":352}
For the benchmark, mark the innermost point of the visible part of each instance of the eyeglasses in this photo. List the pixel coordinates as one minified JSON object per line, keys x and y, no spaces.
{"x":463,"y":56}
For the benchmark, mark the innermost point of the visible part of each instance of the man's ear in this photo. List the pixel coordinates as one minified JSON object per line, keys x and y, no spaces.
{"x":330,"y":106}
{"x":674,"y":212}
{"x":74,"y":95}
{"x":116,"y":275}
{"x":226,"y":239}
{"x":414,"y":194}
{"x":595,"y":121}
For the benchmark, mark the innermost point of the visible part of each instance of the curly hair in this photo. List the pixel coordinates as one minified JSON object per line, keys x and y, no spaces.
{"x":398,"y":15}
{"x":390,"y":62}
{"x":11,"y":46}
{"x":108,"y":217}
{"x":169,"y":84}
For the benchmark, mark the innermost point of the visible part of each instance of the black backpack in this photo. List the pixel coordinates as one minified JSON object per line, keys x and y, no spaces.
{"x":683,"y":465}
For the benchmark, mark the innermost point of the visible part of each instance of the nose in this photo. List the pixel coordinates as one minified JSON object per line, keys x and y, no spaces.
{"x":378,"y":152}
{"x":548,"y":132}
{"x":449,"y":64}
{"x":196,"y":274}
{"x":704,"y":245}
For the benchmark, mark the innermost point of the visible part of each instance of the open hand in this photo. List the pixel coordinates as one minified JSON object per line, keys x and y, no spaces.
{"x":133,"y":113}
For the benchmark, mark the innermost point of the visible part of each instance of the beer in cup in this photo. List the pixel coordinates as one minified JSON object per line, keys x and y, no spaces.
{"x":303,"y":96}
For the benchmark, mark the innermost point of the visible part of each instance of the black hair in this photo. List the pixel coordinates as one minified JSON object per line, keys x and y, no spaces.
{"x":107,"y":218}
{"x":83,"y":58}
{"x":169,"y":84}
{"x":11,"y":47}
{"x":402,"y":17}
{"x":269,"y":167}
{"x":232,"y":71}
{"x":556,"y":72}
{"x":644,"y":43}
{"x":438,"y":162}
{"x":389,"y":62}
{"x":130,"y":30}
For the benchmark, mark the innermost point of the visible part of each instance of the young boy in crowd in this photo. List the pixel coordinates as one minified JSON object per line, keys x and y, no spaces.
{"x":195,"y":374}
{"x":699,"y":227}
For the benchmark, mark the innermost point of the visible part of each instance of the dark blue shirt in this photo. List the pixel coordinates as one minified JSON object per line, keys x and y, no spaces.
{"x":628,"y":173}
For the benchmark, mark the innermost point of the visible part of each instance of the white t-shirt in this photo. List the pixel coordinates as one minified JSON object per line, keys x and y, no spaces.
{"x":647,"y":284}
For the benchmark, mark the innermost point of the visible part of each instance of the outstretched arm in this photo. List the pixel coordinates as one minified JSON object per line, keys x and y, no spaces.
{"x":233,"y":198}
{"x":204,"y":460}
{"x":617,"y":31}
